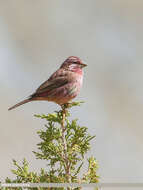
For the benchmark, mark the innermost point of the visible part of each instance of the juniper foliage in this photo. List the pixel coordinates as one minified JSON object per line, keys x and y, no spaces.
{"x":63,"y":145}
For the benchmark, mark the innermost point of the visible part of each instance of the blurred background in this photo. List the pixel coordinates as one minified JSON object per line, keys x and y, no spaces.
{"x":35,"y":38}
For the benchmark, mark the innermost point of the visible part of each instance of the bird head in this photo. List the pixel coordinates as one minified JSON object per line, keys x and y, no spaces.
{"x":73,"y":63}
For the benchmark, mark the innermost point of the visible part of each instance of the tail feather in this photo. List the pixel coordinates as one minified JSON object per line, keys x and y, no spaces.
{"x":20,"y":103}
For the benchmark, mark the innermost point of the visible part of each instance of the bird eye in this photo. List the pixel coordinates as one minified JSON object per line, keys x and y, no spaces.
{"x":75,"y":62}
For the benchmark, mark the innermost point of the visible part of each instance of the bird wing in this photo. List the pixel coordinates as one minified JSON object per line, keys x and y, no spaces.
{"x":52,"y":84}
{"x":57,"y":79}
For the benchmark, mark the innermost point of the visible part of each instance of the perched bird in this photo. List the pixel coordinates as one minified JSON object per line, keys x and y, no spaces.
{"x":62,"y":86}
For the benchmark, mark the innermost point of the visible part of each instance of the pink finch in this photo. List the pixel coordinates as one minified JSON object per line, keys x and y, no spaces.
{"x":62,"y":86}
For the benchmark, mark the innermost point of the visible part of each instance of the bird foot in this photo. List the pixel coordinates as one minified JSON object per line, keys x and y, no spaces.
{"x":70,"y":104}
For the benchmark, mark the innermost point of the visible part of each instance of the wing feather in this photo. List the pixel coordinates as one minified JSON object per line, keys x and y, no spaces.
{"x":57,"y":79}
{"x":50,"y":85}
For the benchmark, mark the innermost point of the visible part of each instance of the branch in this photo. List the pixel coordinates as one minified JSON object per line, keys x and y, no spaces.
{"x":64,"y":143}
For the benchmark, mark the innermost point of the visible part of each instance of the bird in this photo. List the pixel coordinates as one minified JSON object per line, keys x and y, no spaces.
{"x":62,"y":86}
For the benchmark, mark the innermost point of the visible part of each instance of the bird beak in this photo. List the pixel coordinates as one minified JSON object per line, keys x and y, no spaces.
{"x":83,"y":65}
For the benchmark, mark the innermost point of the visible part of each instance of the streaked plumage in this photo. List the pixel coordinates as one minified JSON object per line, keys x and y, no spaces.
{"x":62,"y":86}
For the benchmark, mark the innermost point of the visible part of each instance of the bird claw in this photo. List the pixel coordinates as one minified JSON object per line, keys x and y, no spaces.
{"x":65,"y":106}
{"x":70,"y":104}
